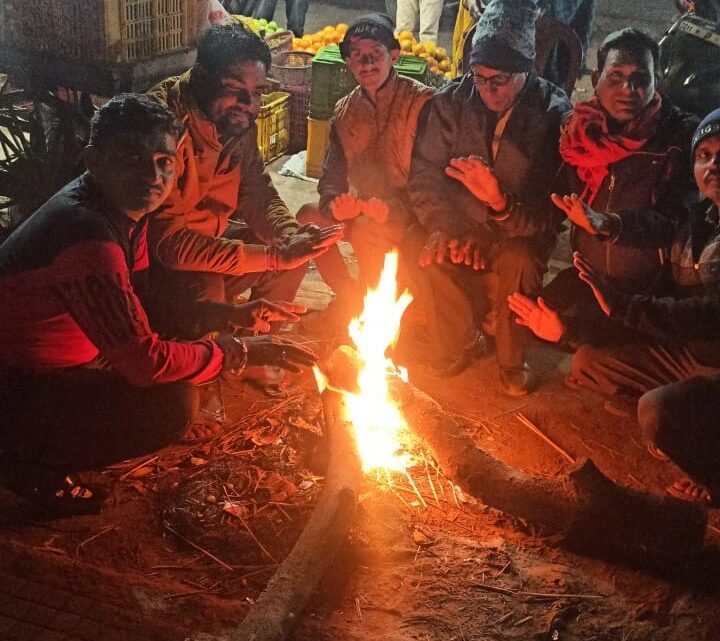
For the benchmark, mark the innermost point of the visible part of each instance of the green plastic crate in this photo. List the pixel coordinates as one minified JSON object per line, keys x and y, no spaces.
{"x":331,"y":79}
{"x":412,"y":67}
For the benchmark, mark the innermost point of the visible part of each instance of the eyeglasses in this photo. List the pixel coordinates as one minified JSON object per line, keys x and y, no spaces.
{"x":494,"y":82}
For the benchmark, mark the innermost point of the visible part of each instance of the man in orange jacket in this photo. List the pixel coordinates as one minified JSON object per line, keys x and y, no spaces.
{"x":224,"y":228}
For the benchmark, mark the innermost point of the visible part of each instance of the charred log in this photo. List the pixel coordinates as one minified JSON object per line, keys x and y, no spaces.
{"x":586,"y":509}
{"x":277,"y":609}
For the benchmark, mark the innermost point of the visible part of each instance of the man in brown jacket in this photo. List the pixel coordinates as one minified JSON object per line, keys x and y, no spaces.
{"x":201,"y":248}
{"x":367,"y":164}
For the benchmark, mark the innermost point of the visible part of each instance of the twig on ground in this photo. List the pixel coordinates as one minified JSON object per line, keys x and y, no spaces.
{"x":257,"y":541}
{"x":138,"y":467}
{"x":502,"y":571}
{"x":208,"y":554}
{"x":430,"y":482}
{"x":452,"y":488}
{"x":536,"y":430}
{"x":414,"y":487}
{"x":534,"y":595}
{"x":105,"y":530}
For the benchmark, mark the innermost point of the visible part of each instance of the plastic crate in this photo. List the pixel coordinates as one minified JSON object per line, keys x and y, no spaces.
{"x":317,"y":144}
{"x":292,"y":68}
{"x":331,"y":80}
{"x":100,"y":30}
{"x":273,"y":125}
{"x":413,"y":67}
{"x":299,"y":111}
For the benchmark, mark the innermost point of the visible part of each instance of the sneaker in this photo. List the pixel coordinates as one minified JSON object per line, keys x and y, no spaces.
{"x":517,"y":381}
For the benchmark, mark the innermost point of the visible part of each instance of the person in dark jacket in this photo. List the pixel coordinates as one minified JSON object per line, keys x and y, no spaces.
{"x":84,"y":379}
{"x":627,"y":160}
{"x":485,"y":155}
{"x":674,"y":362}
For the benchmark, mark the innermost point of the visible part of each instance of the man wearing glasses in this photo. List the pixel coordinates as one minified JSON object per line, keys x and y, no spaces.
{"x":485,"y":157}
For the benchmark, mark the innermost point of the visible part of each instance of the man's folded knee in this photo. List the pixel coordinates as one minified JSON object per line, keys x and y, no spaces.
{"x":310,"y":213}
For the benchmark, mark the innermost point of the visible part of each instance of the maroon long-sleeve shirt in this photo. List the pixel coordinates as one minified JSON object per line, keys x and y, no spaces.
{"x":67,"y":295}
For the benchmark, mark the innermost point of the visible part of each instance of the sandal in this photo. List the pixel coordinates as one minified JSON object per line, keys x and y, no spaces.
{"x":688,"y":490}
{"x":54,"y":493}
{"x":656,"y":452}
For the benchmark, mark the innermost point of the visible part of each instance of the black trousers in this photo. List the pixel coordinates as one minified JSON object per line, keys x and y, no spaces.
{"x":682,"y":420}
{"x":455,"y":298}
{"x":679,"y":401}
{"x":84,"y":419}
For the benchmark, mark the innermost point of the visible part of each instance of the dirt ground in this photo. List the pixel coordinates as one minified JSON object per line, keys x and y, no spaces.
{"x":194,"y":533}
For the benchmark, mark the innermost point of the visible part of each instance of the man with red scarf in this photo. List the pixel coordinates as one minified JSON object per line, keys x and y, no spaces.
{"x":627,"y":161}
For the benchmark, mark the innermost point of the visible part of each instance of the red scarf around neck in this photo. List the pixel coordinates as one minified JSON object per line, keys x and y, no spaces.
{"x":587,"y":145}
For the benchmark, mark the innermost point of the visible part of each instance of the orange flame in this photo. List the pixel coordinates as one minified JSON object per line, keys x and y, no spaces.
{"x":376,"y":418}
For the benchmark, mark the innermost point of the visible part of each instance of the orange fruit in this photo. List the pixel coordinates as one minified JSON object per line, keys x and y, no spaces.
{"x":316,"y":38}
{"x":405,"y":35}
{"x":440,"y":53}
{"x":444,"y":64}
{"x":430,"y":47}
{"x":406,"y":45}
{"x":418,"y":49}
{"x":341,"y":28}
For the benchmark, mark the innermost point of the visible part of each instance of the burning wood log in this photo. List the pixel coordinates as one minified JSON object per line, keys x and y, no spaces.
{"x":277,"y":609}
{"x":587,"y":510}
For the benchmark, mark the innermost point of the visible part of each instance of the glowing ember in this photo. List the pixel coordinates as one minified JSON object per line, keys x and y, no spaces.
{"x":376,"y":418}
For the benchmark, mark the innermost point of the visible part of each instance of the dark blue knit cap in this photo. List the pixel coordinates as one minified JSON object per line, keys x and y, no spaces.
{"x":710,"y":126}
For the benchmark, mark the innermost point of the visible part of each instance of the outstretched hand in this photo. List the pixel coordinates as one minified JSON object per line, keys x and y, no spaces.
{"x":606,"y":295}
{"x":543,"y":321}
{"x":258,"y":314}
{"x":479,"y":179}
{"x":345,"y":207}
{"x":299,"y":248}
{"x":593,"y":222}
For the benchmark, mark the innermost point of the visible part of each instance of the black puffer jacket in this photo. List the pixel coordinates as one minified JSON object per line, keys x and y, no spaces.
{"x":456,"y":123}
{"x":647,"y":190}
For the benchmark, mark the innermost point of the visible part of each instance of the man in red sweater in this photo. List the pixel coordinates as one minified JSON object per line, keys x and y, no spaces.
{"x":84,"y":380}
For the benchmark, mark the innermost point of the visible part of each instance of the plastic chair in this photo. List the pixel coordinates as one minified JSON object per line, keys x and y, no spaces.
{"x":549,"y":35}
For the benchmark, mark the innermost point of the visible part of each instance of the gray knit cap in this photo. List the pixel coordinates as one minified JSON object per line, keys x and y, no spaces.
{"x":505,"y":36}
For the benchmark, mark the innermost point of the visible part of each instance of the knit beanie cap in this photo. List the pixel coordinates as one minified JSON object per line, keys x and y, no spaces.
{"x":505,"y":36}
{"x":374,"y":26}
{"x":710,"y":126}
